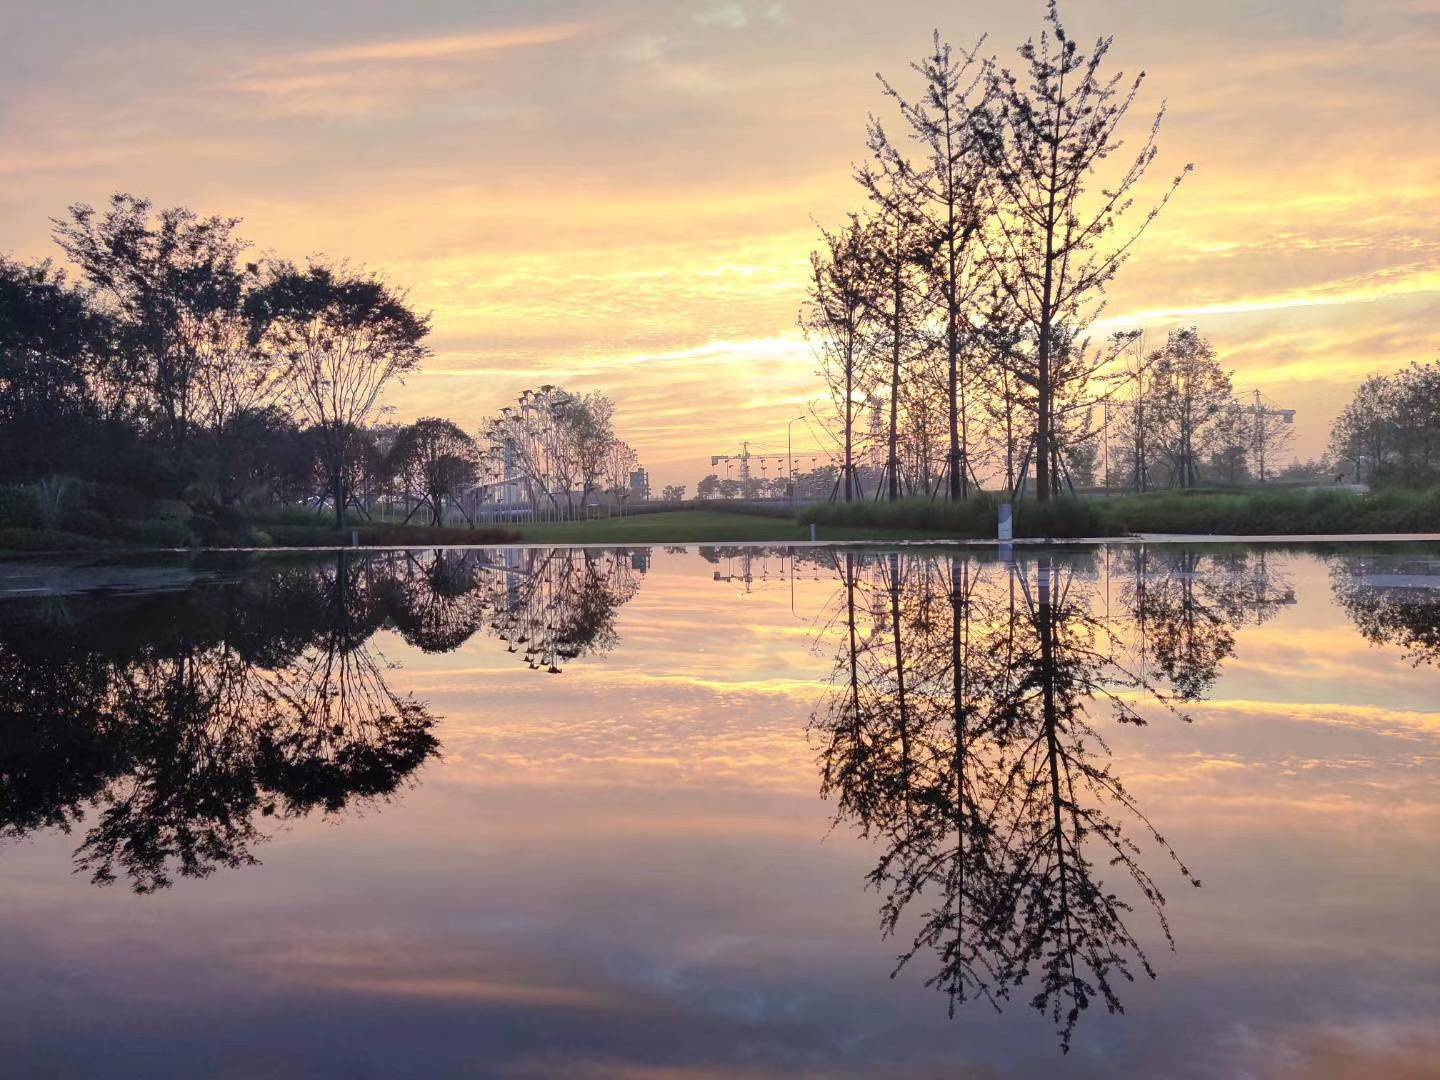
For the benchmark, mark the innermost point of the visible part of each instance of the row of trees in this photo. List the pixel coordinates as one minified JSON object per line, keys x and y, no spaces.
{"x":173,"y":365}
{"x":1179,"y":424}
{"x":962,"y":295}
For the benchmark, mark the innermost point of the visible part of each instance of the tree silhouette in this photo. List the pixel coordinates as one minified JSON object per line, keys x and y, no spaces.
{"x":962,"y":732}
{"x":169,"y":725}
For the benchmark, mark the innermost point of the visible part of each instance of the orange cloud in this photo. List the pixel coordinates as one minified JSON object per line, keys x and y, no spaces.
{"x":447,"y":46}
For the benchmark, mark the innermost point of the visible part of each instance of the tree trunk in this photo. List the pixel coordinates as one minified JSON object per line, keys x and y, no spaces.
{"x":893,"y":463}
{"x":1042,"y":412}
{"x":957,"y":472}
{"x":849,"y":420}
{"x":339,"y":493}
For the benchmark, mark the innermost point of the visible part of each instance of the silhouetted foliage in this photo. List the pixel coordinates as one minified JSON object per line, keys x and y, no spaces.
{"x":342,"y":336}
{"x":169,"y":725}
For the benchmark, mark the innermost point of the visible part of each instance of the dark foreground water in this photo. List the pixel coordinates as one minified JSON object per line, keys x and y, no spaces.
{"x":684,"y":812}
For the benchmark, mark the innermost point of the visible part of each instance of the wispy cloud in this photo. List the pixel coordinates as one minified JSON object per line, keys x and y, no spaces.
{"x":451,"y":45}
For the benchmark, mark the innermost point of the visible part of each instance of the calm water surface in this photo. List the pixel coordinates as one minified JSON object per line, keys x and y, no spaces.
{"x":717,"y":812}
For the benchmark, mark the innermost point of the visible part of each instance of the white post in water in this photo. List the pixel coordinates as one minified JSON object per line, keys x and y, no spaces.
{"x":1007,"y":522}
{"x":812,"y":530}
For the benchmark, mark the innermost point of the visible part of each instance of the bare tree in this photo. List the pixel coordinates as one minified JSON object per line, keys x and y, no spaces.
{"x":620,"y":463}
{"x":1051,"y":244}
{"x":947,"y":190}
{"x":553,"y":443}
{"x":900,"y":254}
{"x":835,"y":319}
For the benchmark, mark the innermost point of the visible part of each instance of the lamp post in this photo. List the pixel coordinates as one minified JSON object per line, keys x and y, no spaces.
{"x":790,"y":458}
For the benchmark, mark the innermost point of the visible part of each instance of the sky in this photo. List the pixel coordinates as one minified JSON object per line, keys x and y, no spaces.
{"x":622,"y":196}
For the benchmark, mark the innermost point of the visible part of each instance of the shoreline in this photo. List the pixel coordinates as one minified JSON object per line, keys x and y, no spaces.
{"x":20,"y":557}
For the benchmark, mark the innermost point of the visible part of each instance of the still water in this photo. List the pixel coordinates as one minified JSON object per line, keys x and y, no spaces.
{"x":714,"y":812}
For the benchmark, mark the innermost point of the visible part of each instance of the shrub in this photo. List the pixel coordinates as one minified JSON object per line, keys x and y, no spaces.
{"x":1069,"y":517}
{"x":117,"y":502}
{"x":87,"y":523}
{"x":161,"y":532}
{"x":54,"y":495}
{"x":177,"y":509}
{"x":1252,"y":511}
{"x":46,"y":540}
{"x":18,"y":508}
{"x":975,"y":517}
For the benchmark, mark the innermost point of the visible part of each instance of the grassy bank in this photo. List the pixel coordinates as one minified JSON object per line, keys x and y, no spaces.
{"x":85,"y":517}
{"x":23,"y":528}
{"x":703,"y":527}
{"x":1241,"y":513}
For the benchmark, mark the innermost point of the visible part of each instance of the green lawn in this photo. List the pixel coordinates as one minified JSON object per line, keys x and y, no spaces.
{"x":700,"y":527}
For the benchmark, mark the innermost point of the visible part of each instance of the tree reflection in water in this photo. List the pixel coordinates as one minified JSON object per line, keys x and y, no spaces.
{"x":1392,"y":601}
{"x":962,"y":732}
{"x":168,"y":725}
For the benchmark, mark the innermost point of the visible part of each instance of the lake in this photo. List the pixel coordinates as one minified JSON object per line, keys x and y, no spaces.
{"x":695,"y":812}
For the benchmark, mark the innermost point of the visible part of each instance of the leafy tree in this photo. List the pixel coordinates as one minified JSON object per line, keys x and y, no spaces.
{"x":437,"y":461}
{"x":53,"y":348}
{"x":1364,"y":433}
{"x":342,"y":335}
{"x":1189,"y":397}
{"x":171,"y":281}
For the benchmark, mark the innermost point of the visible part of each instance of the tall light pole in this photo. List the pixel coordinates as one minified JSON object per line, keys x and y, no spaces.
{"x":790,"y":457}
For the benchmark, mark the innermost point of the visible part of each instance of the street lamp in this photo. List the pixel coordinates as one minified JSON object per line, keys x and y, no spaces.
{"x":790,"y":458}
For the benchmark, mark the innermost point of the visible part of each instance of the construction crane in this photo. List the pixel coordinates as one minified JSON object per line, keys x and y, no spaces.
{"x":1261,"y":411}
{"x":750,"y":462}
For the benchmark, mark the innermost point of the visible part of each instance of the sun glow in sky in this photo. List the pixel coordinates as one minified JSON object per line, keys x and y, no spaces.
{"x":622,"y":195}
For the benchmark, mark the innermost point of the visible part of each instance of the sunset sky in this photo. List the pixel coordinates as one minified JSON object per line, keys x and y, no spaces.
{"x":621,"y":196}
